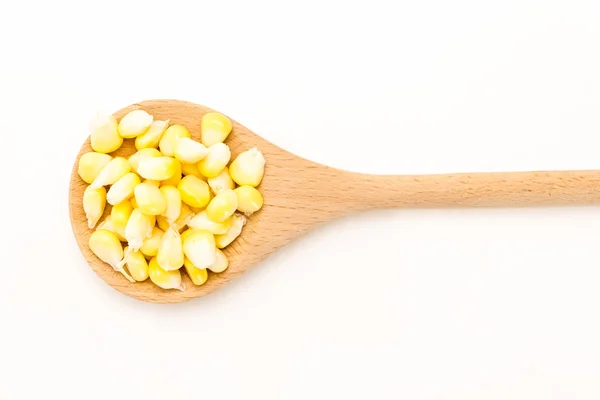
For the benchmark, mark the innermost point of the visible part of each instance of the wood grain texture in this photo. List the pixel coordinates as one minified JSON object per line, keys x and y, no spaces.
{"x":300,"y":195}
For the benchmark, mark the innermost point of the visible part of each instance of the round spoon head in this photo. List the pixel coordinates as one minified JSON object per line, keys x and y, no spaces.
{"x":292,"y":188}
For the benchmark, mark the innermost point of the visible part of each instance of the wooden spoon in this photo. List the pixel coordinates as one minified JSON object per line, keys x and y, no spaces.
{"x":300,"y":194}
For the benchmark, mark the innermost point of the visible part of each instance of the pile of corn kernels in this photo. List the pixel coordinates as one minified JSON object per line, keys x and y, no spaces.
{"x":175,"y":203}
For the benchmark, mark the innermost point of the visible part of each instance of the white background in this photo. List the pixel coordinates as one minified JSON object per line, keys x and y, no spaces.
{"x":431,"y":304}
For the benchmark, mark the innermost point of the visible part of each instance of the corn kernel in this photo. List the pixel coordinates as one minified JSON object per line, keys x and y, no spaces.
{"x":94,"y":201}
{"x":216,"y":160}
{"x":150,"y":246}
{"x":222,"y":206}
{"x":110,"y":225}
{"x":191,"y":169}
{"x":90,"y":165}
{"x":164,"y":279}
{"x":134,"y":123}
{"x":248,"y":168}
{"x":202,"y":222}
{"x":157,"y":168}
{"x":112,"y":172}
{"x":104,"y":135}
{"x":198,"y":276}
{"x":170,"y":251}
{"x":186,"y":233}
{"x":215,"y":128}
{"x":237,"y":223}
{"x":194,"y":192}
{"x":185,"y":216}
{"x":106,"y":246}
{"x":167,"y":142}
{"x":121,"y":212}
{"x":136,"y":265}
{"x":133,"y":202}
{"x":221,"y":182}
{"x":176,"y":178}
{"x":199,"y":248}
{"x":152,"y":136}
{"x":189,"y":151}
{"x":122,"y":189}
{"x":135,"y":158}
{"x":149,"y":199}
{"x":139,"y":228}
{"x":221,"y":263}
{"x":173,"y":197}
{"x":249,"y":199}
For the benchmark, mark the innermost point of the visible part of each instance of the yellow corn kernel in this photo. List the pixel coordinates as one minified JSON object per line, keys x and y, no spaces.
{"x":186,"y":233}
{"x":136,"y":265}
{"x":139,"y":228}
{"x":104,"y":135}
{"x":249,"y":199}
{"x":122,"y":189}
{"x":167,"y":142}
{"x":173,"y":209}
{"x":134,"y":123}
{"x":191,"y":169}
{"x":94,"y":201}
{"x":133,"y":202}
{"x":112,"y":172}
{"x":164,"y":279}
{"x":199,"y":247}
{"x":221,"y":263}
{"x":217,"y":158}
{"x":174,"y":180}
{"x":121,"y":212}
{"x":189,"y":151}
{"x":149,"y":199}
{"x":215,"y":128}
{"x":151,"y":137}
{"x":185,"y":216}
{"x":248,"y":168}
{"x":198,"y":276}
{"x":221,"y":182}
{"x":106,"y":246}
{"x":170,"y":251}
{"x":162,"y":223}
{"x":150,"y":246}
{"x":110,"y":225}
{"x":135,"y":158}
{"x":222,"y":206}
{"x":237,"y":223}
{"x":157,"y":168}
{"x":194,"y":191}
{"x":202,"y":222}
{"x":90,"y":165}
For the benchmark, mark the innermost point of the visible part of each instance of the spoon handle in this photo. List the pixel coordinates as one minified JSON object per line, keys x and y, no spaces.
{"x":496,"y":189}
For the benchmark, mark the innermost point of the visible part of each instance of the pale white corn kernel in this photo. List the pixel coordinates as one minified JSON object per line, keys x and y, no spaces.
{"x":106,"y":246}
{"x":112,"y":172}
{"x":173,"y":209}
{"x":170,"y":251}
{"x":222,"y":206}
{"x":164,"y":279}
{"x":150,"y":246}
{"x":94,"y":201}
{"x":234,"y":231}
{"x":122,"y":189}
{"x":215,"y":161}
{"x":90,"y":165}
{"x":110,"y":225}
{"x":157,"y":168}
{"x":167,"y":142}
{"x":139,"y":228}
{"x":104,"y":135}
{"x":135,"y":158}
{"x":221,"y":263}
{"x":152,"y":136}
{"x":136,"y":265}
{"x":199,"y":248}
{"x":248,"y":168}
{"x":221,"y":182}
{"x":249,"y":199}
{"x":201,"y":222}
{"x":214,"y":128}
{"x":149,"y":198}
{"x":134,"y":123}
{"x":189,"y":151}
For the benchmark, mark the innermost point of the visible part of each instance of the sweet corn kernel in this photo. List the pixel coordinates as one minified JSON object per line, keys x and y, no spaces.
{"x":134,"y":123}
{"x":150,"y":246}
{"x":198,"y":276}
{"x":139,"y":228}
{"x":237,"y":223}
{"x":104,"y":135}
{"x":189,"y":151}
{"x":157,"y":168}
{"x":215,"y":128}
{"x":217,"y":158}
{"x":222,"y":206}
{"x":170,"y":251}
{"x":221,"y":182}
{"x":90,"y":165}
{"x":167,"y":142}
{"x":122,"y":189}
{"x":152,"y":136}
{"x":199,"y":248}
{"x":112,"y":172}
{"x":121,"y":212}
{"x":106,"y":246}
{"x":194,"y":192}
{"x":94,"y":201}
{"x":191,"y":169}
{"x":149,"y":199}
{"x":136,"y":265}
{"x":135,"y":158}
{"x":164,"y":279}
{"x":110,"y":225}
{"x":248,"y":168}
{"x":221,"y":263}
{"x":202,"y":222}
{"x":249,"y":199}
{"x":173,"y":210}
{"x":176,"y":178}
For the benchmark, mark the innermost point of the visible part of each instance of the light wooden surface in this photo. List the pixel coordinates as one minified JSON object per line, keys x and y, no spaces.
{"x":300,"y":195}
